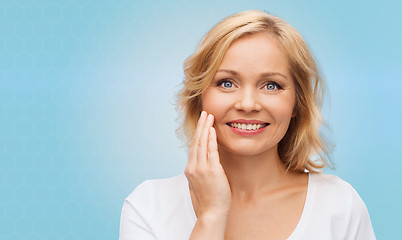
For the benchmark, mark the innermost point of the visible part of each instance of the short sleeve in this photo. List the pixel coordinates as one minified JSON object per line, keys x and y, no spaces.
{"x":360,"y":227}
{"x":134,"y":224}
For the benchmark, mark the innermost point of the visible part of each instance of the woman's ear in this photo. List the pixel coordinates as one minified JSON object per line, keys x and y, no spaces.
{"x":294,"y":113}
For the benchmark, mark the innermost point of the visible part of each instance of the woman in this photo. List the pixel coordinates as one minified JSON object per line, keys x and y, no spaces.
{"x":251,"y":105}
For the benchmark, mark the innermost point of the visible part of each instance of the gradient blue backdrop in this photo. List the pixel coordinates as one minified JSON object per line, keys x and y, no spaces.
{"x":87,"y":92}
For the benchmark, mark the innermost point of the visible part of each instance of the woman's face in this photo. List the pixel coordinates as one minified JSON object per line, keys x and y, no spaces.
{"x":252,"y":96}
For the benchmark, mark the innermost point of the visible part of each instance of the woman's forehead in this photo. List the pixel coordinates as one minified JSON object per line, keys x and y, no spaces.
{"x":257,"y":53}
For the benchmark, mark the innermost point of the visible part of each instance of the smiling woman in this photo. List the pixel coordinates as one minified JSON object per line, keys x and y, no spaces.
{"x":261,"y":90}
{"x":251,"y":116}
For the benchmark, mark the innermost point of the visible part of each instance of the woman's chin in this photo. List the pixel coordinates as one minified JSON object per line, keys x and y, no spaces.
{"x":246,"y":149}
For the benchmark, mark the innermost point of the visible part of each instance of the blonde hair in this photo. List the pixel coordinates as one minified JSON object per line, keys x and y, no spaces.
{"x":302,"y":139}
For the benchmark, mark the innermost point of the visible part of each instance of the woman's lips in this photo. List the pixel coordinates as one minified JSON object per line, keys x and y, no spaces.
{"x":247,"y":121}
{"x":247,"y":127}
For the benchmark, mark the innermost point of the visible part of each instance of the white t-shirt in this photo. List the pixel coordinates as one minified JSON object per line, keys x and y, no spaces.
{"x":162,"y":209}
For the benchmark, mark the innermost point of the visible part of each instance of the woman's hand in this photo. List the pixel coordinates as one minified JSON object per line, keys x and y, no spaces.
{"x":207,"y":179}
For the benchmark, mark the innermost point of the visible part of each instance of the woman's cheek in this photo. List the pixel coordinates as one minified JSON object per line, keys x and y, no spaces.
{"x":211,"y":102}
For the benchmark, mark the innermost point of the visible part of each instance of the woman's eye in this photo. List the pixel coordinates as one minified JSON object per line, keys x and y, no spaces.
{"x":272,"y":86}
{"x":225,"y":83}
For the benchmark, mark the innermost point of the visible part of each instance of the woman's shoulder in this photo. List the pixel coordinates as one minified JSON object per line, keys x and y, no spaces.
{"x":150,"y":211}
{"x":338,"y":193}
{"x":330,"y":183}
{"x":334,"y":204}
{"x":155,"y":189}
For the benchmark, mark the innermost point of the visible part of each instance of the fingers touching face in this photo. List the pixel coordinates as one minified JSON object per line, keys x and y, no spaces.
{"x":199,"y":146}
{"x":205,"y":122}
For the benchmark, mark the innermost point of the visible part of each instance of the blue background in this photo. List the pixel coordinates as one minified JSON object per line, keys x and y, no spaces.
{"x":87,"y":103}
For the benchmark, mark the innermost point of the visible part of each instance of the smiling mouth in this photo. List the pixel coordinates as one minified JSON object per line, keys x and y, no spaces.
{"x":248,"y":127}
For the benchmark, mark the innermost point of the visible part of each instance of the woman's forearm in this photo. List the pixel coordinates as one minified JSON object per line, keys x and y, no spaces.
{"x":211,"y":227}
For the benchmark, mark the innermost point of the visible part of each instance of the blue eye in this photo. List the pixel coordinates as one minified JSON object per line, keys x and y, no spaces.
{"x":273,"y":86}
{"x":225,"y":83}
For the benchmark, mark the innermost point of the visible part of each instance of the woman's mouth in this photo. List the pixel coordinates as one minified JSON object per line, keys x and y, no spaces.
{"x":249,"y":127}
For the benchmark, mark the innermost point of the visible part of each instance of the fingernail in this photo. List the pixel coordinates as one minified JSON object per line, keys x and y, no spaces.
{"x":210,"y":117}
{"x":202,"y":114}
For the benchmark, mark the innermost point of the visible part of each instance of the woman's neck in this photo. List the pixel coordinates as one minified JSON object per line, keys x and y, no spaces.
{"x":252,"y":176}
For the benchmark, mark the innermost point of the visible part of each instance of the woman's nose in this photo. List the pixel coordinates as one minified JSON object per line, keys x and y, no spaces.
{"x":247,"y":101}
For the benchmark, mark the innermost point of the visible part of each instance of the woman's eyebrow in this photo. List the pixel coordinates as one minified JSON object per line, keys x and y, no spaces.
{"x":267,"y":74}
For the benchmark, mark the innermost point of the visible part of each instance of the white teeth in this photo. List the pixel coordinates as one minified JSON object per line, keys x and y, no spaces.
{"x":246,"y":126}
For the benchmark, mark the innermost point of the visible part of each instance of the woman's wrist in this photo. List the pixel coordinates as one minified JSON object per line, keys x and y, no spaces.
{"x":215,"y":216}
{"x":210,"y":226}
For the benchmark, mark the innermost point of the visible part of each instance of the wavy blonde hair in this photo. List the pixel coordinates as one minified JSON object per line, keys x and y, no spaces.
{"x":302,"y":140}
